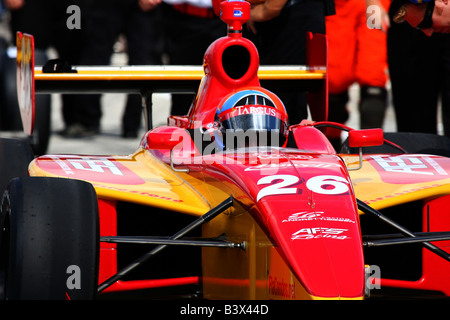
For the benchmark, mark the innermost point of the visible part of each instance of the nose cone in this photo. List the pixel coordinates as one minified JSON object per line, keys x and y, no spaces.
{"x":312,"y":217}
{"x":323,"y":249}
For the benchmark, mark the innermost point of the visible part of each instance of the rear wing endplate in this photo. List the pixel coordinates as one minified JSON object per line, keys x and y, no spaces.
{"x":25,"y":80}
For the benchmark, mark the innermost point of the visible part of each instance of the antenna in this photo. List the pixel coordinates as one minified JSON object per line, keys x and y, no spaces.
{"x":235,"y":13}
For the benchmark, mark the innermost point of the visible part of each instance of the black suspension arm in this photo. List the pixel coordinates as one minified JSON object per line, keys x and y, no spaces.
{"x":368,"y":209}
{"x":168,"y":241}
{"x":426,"y":237}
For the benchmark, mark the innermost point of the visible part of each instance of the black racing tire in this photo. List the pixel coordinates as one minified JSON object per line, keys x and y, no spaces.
{"x":15,"y":156}
{"x":411,"y":142}
{"x":49,"y":243}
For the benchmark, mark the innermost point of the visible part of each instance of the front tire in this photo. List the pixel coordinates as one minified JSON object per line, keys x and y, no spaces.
{"x":49,"y":239}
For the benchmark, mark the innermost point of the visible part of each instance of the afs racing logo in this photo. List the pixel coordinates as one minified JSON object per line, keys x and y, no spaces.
{"x":320,"y":232}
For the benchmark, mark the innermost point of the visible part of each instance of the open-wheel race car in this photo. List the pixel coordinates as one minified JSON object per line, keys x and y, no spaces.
{"x":229,"y":201}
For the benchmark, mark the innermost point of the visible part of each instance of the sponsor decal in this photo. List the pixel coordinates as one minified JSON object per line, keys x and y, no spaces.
{"x":314,"y":216}
{"x":320,"y":232}
{"x":400,"y":193}
{"x":280,"y":163}
{"x":105,"y":170}
{"x":410,"y":169}
{"x":237,"y":13}
{"x":266,"y":110}
{"x":281,"y":287}
{"x":141,"y":193}
{"x":96,"y":165}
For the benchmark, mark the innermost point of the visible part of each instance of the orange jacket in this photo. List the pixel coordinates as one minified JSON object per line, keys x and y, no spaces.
{"x":356,"y":53}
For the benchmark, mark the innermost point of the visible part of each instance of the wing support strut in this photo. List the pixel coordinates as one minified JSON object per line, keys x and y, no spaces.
{"x":198,"y":222}
{"x":414,"y":238}
{"x":147,"y":105}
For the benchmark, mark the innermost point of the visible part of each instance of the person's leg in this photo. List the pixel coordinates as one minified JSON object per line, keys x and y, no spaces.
{"x":188,"y":37}
{"x":413,"y":79}
{"x":82,"y":113}
{"x":144,"y":34}
{"x":342,"y":35}
{"x":371,"y":73}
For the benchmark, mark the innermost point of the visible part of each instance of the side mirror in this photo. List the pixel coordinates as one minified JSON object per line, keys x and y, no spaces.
{"x":163,"y":140}
{"x":167,"y":140}
{"x":364,"y":138}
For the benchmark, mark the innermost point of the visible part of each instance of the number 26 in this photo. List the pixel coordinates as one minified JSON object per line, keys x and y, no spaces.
{"x":318,"y":184}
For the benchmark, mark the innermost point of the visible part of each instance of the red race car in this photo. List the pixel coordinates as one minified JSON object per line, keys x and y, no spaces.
{"x":229,"y":201}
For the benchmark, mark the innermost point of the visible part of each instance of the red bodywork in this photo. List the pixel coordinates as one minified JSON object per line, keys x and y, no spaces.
{"x":303,"y":197}
{"x":325,"y":250}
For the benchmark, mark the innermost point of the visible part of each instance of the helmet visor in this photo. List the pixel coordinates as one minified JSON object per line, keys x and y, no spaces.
{"x":258,"y":122}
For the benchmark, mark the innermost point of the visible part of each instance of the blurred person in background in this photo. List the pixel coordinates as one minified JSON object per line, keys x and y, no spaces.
{"x":357,"y":54}
{"x":419,"y":64}
{"x":278,"y":28}
{"x":106,"y":20}
{"x":190,"y":26}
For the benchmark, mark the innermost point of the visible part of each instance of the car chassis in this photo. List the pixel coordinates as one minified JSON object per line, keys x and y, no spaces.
{"x":251,"y":246}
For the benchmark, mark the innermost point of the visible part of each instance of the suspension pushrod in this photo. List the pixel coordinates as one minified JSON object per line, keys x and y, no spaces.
{"x":372,"y":237}
{"x":167,"y":241}
{"x":409,"y":240}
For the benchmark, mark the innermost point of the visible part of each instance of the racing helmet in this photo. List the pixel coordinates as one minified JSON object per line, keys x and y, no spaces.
{"x":254,"y":109}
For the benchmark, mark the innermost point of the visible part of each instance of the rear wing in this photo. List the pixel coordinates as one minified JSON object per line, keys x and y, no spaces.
{"x":146,"y":80}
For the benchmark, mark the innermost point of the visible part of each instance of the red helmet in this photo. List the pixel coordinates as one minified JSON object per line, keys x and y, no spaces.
{"x":255,"y":109}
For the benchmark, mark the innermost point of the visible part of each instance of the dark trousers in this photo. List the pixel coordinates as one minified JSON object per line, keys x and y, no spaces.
{"x":46,"y":21}
{"x":105,"y":21}
{"x":419,"y":68}
{"x":187,"y":38}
